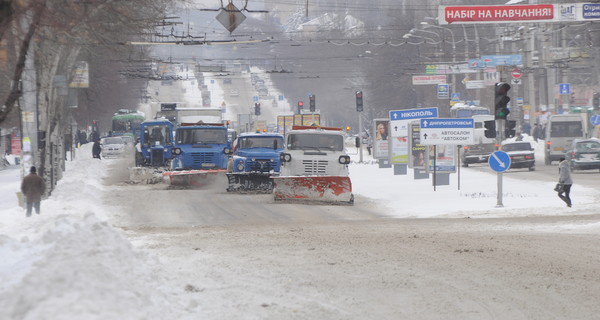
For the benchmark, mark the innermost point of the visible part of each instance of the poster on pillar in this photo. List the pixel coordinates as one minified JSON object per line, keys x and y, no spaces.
{"x":398,"y":150}
{"x":381,"y":143}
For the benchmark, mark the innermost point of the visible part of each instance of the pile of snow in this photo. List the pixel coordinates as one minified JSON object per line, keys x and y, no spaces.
{"x":68,"y":263}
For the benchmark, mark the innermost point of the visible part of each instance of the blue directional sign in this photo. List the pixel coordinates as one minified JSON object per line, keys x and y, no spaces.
{"x":411,"y":114}
{"x":499,"y":161}
{"x":564,"y":88}
{"x":447,"y":131}
{"x":595,"y":119}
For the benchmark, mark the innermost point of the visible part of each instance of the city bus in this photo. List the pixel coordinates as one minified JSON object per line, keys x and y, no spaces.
{"x":127,"y":123}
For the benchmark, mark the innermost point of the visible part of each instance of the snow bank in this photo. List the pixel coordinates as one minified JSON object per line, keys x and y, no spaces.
{"x":67,"y":263}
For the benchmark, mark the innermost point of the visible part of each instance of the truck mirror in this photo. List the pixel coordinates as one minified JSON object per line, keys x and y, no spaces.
{"x":357,"y":142}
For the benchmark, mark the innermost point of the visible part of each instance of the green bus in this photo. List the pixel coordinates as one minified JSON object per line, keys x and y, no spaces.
{"x":127,"y":123}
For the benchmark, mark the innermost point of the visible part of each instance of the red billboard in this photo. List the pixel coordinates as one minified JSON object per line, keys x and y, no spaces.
{"x":496,"y":14}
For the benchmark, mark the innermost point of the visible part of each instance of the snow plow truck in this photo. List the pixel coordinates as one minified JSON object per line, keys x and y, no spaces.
{"x":254,"y":162}
{"x":201,"y":153}
{"x":314,"y":167}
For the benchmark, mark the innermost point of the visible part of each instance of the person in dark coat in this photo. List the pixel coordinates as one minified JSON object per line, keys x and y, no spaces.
{"x":33,"y":187}
{"x":96,"y":149}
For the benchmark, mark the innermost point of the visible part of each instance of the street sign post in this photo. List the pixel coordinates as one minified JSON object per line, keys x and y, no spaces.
{"x":516,"y":73}
{"x":499,"y":161}
{"x":399,"y":119}
{"x":595,"y":119}
{"x":564,"y":88}
{"x":447,"y":131}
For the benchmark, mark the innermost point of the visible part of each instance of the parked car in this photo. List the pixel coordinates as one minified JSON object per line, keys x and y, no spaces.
{"x":521,"y":154}
{"x":112,"y":147}
{"x":584,"y":154}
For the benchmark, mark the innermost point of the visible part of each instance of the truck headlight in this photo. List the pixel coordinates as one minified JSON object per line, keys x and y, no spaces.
{"x":285,"y":157}
{"x":344,"y":159}
{"x":177,"y":151}
{"x":240,"y":165}
{"x":226,"y":151}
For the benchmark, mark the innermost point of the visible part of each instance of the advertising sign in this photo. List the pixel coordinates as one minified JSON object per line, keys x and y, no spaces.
{"x":422,"y":80}
{"x":399,"y":119}
{"x":417,"y":151}
{"x":399,"y":150}
{"x":442,"y":91}
{"x":381,"y":133}
{"x":447,"y":131}
{"x":441,"y":159}
{"x":519,"y":13}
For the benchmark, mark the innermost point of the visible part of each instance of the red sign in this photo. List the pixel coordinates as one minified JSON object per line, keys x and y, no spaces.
{"x":15,"y":144}
{"x":516,"y":73}
{"x":532,"y":12}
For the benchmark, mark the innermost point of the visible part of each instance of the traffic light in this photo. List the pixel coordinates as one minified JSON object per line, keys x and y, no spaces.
{"x":312,"y":103}
{"x":300,"y":106}
{"x":509,"y":131}
{"x":359,"y":101}
{"x":501,"y":100}
{"x":490,"y":128}
{"x":596,"y":100}
{"x":257,"y":108}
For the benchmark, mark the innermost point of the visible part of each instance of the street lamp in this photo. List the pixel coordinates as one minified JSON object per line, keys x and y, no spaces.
{"x":425,"y":24}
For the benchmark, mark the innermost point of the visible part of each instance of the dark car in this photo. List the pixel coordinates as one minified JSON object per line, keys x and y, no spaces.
{"x":521,"y":154}
{"x":584,"y":154}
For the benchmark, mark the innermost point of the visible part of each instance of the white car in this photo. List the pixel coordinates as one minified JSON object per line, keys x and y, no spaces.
{"x":112,"y":147}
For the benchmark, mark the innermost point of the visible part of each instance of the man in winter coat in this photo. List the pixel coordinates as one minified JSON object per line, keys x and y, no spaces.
{"x":564,"y":171}
{"x":96,"y":149}
{"x":33,"y":187}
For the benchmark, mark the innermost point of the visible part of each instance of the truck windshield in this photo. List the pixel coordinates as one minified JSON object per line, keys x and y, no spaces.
{"x":316,"y":141}
{"x":204,"y":135}
{"x":157,"y":134}
{"x":260,"y":142}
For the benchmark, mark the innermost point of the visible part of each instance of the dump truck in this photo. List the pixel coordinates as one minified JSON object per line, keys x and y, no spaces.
{"x":314,"y":167}
{"x":201,"y":152}
{"x":254,"y":162}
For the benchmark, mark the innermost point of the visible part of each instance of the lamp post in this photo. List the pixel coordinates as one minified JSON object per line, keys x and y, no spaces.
{"x":427,"y":25}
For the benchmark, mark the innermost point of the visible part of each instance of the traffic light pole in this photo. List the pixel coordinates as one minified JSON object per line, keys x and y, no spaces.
{"x":500,"y":136}
{"x":360,"y":130}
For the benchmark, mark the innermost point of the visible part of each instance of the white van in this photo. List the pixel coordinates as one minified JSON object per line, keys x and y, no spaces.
{"x":561,"y":130}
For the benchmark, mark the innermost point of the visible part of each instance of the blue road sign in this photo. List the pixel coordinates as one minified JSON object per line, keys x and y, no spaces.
{"x":499,"y":161}
{"x":442,"y":91}
{"x":455,"y":96}
{"x":280,"y":97}
{"x":564,"y":88}
{"x":410,"y":114}
{"x":595,"y":119}
{"x":255,"y":98}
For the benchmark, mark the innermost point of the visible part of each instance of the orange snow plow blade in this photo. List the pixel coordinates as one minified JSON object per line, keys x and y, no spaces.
{"x":192,"y":178}
{"x":332,"y":189}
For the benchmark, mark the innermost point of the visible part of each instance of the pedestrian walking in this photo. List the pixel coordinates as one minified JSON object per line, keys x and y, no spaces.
{"x":537,"y":132}
{"x":33,"y":187}
{"x":96,"y":149}
{"x":564,"y":178}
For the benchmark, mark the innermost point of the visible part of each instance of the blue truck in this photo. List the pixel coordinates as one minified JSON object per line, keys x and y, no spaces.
{"x":155,"y":148}
{"x":201,"y":151}
{"x":254,"y":162}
